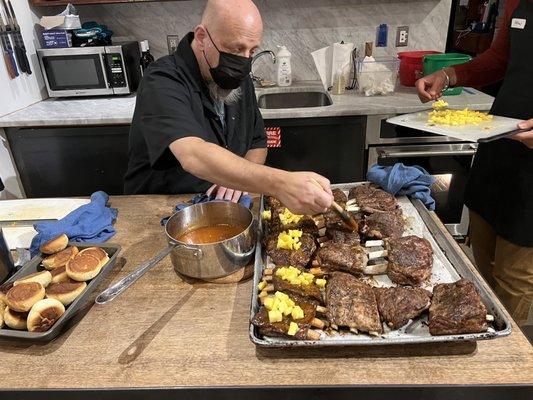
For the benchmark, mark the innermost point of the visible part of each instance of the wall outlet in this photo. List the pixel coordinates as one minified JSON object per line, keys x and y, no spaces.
{"x":172,"y":43}
{"x":402,"y":36}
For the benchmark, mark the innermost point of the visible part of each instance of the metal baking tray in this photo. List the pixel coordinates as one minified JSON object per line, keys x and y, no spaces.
{"x":34,"y":265}
{"x":448,"y":267}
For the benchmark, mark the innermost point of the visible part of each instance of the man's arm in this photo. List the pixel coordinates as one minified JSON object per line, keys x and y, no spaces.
{"x":213,"y":163}
{"x":257,"y":156}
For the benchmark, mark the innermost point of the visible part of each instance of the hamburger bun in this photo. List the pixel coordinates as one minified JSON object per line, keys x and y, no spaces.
{"x":55,"y":245}
{"x":3,"y":291}
{"x":44,"y":314}
{"x":59,"y":275}
{"x":22,"y":297}
{"x":15,"y":320}
{"x":83,"y":267}
{"x":60,"y":259}
{"x":97,"y":252}
{"x":42,"y":277}
{"x":65,"y":292}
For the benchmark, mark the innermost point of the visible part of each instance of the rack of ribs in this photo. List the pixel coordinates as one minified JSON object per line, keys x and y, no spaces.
{"x":370,"y":199}
{"x":352,"y":303}
{"x":397,"y":305}
{"x":410,"y":260}
{"x":278,"y":284}
{"x":296,"y":258}
{"x":382,"y":225}
{"x":457,"y":308}
{"x":261,"y":320}
{"x":348,"y":258}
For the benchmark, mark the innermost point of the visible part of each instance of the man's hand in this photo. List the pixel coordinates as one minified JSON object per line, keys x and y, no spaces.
{"x":302,"y":196}
{"x":225,"y":193}
{"x":430,"y":87}
{"x":525,"y":137}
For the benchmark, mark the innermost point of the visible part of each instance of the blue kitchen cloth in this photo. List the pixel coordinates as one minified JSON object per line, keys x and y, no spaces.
{"x":92,"y":222}
{"x":245,"y":200}
{"x":402,"y":180}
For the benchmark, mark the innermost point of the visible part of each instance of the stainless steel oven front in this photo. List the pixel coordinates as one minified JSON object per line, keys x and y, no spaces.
{"x":447,"y":159}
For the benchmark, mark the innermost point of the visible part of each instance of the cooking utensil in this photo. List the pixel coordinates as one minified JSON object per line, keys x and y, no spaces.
{"x":11,"y":65}
{"x":345,"y":215}
{"x":20,"y":49}
{"x":202,"y":261}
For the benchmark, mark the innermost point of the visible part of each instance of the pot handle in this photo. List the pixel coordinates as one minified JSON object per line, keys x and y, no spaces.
{"x":114,"y":290}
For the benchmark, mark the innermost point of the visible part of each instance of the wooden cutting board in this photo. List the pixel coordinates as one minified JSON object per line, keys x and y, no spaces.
{"x":470,"y":133}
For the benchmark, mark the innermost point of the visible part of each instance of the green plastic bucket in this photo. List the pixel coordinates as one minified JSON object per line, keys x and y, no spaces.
{"x":435,"y":62}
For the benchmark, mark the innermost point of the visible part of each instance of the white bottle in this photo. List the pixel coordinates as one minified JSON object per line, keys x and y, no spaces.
{"x":283,"y":59}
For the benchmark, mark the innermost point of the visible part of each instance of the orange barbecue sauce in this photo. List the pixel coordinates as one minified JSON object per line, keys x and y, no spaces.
{"x":209,"y":234}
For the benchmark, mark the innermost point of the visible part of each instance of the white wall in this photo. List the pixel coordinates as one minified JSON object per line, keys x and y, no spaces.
{"x":19,"y":93}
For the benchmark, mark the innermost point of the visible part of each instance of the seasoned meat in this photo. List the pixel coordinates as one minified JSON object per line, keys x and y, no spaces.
{"x":280,"y":329}
{"x":397,"y":305}
{"x":372,"y":199}
{"x":351,"y":303}
{"x":305,"y":291}
{"x":456,"y":308}
{"x":339,"y":197}
{"x":341,"y":257}
{"x":272,"y":203}
{"x":410,"y":260}
{"x":382,"y":225}
{"x":340,"y":236}
{"x":338,"y":231}
{"x":284,"y":257}
{"x":306,"y":224}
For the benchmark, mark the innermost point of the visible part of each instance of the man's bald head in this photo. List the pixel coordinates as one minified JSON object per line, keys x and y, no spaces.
{"x":233,"y":17}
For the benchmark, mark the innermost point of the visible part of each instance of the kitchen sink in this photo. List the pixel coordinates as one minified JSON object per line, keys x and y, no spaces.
{"x":294,"y":100}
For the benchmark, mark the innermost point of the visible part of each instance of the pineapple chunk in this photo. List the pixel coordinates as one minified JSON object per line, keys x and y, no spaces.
{"x":321,"y":283}
{"x":287,"y":217}
{"x":262,"y":294}
{"x":267,"y":215}
{"x":274,"y":316}
{"x":293,"y":329}
{"x":296,"y":246}
{"x":261,"y":285}
{"x":297,"y":312}
{"x":269,"y":303}
{"x":288,"y":310}
{"x":296,"y":233}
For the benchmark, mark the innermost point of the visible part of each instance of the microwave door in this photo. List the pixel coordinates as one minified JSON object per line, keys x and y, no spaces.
{"x":76,"y":75}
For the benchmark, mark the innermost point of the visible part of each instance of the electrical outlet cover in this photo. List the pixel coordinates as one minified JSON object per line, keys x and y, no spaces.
{"x":172,"y":43}
{"x":402,"y":36}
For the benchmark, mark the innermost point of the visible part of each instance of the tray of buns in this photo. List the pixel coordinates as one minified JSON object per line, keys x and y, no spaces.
{"x":396,"y":279}
{"x":37,"y":301}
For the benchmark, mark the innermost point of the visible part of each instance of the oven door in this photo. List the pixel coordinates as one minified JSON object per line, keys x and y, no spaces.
{"x":448,"y":163}
{"x":75,"y":71}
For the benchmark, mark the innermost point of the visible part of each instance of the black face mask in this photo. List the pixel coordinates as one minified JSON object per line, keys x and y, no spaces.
{"x":231,"y":69}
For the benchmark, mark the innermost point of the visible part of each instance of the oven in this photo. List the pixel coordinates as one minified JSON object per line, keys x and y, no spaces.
{"x":447,"y":159}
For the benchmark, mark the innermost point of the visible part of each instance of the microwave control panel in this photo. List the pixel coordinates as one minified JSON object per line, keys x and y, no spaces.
{"x":116,"y":75}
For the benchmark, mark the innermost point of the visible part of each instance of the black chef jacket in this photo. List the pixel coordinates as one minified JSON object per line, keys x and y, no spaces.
{"x":173,"y":102}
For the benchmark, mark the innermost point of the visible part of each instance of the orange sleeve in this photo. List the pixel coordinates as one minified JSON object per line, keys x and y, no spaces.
{"x":490,"y":66}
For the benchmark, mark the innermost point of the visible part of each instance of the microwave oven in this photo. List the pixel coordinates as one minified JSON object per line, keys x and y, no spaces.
{"x":91,"y":71}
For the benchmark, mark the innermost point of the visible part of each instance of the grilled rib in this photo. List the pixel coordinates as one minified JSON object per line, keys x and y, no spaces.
{"x":397,"y":305}
{"x":295,"y":258}
{"x":410,"y":260}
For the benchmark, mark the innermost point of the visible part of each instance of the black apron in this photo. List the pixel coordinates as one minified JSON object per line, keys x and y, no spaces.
{"x":500,"y":187}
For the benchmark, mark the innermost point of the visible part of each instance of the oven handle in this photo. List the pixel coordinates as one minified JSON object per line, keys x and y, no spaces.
{"x":428,"y":153}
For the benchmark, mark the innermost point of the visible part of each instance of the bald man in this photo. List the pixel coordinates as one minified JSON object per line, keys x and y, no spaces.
{"x":197,"y":126}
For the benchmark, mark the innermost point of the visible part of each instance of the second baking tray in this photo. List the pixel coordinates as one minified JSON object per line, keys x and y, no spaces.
{"x":34,"y":265}
{"x":448,"y":267}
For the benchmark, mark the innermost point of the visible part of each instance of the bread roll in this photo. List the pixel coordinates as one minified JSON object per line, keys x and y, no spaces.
{"x":83,"y":267}
{"x":60,"y":259}
{"x":3,"y":291}
{"x":22,"y":297}
{"x":15,"y":320}
{"x":44,"y":314}
{"x":59,"y":275}
{"x":97,"y":252}
{"x":65,"y":292}
{"x":55,"y":245}
{"x":42,"y":277}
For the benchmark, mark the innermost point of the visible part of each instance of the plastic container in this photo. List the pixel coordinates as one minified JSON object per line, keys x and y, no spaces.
{"x":377,"y":76}
{"x":411,"y":65}
{"x":283,"y":58}
{"x":435,"y":62}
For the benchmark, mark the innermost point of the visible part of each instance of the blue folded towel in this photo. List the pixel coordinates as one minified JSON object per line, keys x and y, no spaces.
{"x":245,"y":200}
{"x":402,"y":180}
{"x":92,"y":222}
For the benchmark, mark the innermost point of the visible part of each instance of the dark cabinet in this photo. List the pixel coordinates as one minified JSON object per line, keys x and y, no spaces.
{"x":331,"y":146}
{"x":70,"y":161}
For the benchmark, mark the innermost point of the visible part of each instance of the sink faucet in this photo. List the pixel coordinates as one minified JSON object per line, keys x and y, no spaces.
{"x":258,"y":55}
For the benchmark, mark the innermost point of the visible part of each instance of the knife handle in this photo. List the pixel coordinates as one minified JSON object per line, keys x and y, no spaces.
{"x":12,"y":72}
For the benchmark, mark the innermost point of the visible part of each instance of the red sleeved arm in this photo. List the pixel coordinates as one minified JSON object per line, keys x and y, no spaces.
{"x":490,"y":66}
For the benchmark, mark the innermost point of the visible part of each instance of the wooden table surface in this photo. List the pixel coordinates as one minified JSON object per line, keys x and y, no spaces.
{"x":167,"y":332}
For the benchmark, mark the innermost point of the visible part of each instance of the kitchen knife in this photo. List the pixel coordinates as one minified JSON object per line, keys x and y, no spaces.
{"x":10,"y":26}
{"x":18,"y":34}
{"x":11,"y":65}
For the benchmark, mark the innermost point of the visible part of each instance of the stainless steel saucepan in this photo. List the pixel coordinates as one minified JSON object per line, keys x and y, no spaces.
{"x":202,"y":261}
